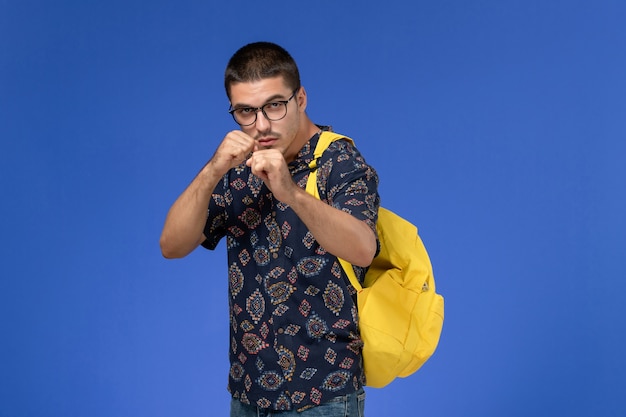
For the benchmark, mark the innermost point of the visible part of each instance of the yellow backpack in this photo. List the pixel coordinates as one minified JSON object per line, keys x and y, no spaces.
{"x":400,"y":314}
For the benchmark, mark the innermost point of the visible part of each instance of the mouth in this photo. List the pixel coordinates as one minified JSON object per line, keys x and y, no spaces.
{"x":266,"y":142}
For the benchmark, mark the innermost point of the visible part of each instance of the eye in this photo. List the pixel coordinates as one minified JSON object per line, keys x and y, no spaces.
{"x":274,"y":105}
{"x":244,"y":111}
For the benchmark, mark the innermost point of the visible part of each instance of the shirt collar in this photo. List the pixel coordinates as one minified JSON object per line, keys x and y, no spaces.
{"x":305,"y":155}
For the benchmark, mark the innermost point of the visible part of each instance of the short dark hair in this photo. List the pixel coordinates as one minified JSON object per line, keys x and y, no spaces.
{"x":259,"y":60}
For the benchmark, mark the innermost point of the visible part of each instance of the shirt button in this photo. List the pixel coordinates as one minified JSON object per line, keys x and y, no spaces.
{"x":274,"y":255}
{"x":281,"y":331}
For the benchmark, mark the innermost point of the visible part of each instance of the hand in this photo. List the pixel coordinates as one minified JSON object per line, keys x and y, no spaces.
{"x":271,"y":167}
{"x":234,"y":149}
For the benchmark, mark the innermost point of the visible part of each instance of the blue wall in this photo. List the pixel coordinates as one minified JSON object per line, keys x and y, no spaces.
{"x":498,"y":127}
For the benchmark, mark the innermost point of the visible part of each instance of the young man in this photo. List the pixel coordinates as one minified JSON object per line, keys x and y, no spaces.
{"x":294,"y":342}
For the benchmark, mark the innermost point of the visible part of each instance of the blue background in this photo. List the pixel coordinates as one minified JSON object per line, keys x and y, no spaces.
{"x":497,"y":127}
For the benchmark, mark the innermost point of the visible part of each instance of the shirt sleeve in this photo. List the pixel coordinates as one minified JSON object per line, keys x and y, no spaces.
{"x":215,"y":227}
{"x":346,"y":182}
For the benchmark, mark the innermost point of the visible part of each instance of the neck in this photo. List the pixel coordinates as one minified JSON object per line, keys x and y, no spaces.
{"x":307,"y":131}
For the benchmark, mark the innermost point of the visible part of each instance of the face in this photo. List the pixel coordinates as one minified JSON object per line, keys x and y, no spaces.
{"x":283,"y":134}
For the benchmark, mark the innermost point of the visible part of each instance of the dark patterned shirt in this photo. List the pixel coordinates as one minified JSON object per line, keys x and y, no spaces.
{"x":294,"y":340}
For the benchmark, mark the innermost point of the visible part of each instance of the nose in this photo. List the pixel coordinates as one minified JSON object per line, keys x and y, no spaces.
{"x":261,"y":123}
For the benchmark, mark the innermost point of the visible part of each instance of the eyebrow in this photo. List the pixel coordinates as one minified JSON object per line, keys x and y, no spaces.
{"x":275,"y":97}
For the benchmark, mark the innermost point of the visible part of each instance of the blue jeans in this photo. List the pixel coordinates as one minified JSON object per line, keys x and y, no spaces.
{"x":351,"y":405}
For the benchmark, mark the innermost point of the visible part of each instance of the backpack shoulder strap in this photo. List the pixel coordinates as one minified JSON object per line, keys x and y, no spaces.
{"x":325,"y":139}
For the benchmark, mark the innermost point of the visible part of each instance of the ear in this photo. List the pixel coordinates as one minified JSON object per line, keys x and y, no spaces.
{"x":302,"y":99}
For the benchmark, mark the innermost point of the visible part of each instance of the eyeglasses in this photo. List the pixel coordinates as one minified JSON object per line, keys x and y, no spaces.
{"x":273,"y":111}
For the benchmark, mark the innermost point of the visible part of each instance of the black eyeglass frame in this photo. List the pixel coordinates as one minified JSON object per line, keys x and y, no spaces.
{"x":262,"y":109}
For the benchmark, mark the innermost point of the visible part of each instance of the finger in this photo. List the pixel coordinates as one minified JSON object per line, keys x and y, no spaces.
{"x":238,"y":146}
{"x":259,"y":170}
